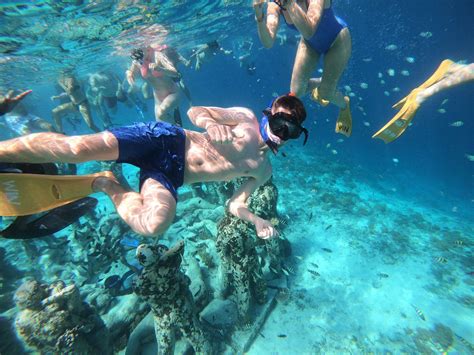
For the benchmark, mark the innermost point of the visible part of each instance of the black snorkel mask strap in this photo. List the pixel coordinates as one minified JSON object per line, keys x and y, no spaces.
{"x":280,"y":4}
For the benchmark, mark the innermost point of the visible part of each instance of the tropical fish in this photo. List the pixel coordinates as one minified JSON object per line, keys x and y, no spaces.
{"x":426,"y":34}
{"x":391,"y":47}
{"x":441,"y":260}
{"x":469,"y":157}
{"x":347,"y":88}
{"x":282,"y":335}
{"x":379,"y":75}
{"x":456,"y":124}
{"x":329,"y":226}
{"x":410,"y":59}
{"x":419,"y":312}
{"x":382,"y":275}
{"x":327,"y":250}
{"x":444,"y":102}
{"x":367,"y":59}
{"x":364,"y":85}
{"x":315,"y":265}
{"x":396,"y":89}
{"x":334,"y":151}
{"x":441,"y":110}
{"x":299,"y":257}
{"x":395,"y":160}
{"x":314,"y":272}
{"x":458,"y":242}
{"x":366,"y":124}
{"x":129,"y":242}
{"x":391,"y":72}
{"x":405,"y":73}
{"x":386,"y":93}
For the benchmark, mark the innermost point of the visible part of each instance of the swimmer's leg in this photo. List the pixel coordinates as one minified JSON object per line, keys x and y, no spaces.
{"x":164,"y":109}
{"x":335,"y":62}
{"x":87,"y":116}
{"x":149,"y":212}
{"x":55,"y":147}
{"x":58,"y":113}
{"x":305,"y":62}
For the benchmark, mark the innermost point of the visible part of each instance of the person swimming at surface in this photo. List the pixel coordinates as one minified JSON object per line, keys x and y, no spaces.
{"x":322,"y":34}
{"x":159,"y":71}
{"x":234,"y":145}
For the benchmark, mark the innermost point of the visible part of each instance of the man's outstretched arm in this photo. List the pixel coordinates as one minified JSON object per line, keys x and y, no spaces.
{"x":238,"y":206}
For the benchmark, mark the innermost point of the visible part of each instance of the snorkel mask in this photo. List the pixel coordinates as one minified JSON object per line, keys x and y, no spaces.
{"x":138,"y":55}
{"x":281,"y":126}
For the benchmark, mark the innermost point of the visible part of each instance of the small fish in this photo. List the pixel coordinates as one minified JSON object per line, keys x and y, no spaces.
{"x":391,"y":47}
{"x":419,"y":312}
{"x":129,"y":242}
{"x":299,"y":257}
{"x":441,"y":260}
{"x":382,"y":82}
{"x":410,"y":59}
{"x":364,"y":85}
{"x":395,"y":160}
{"x":284,"y":154}
{"x":456,"y":124}
{"x":327,"y":250}
{"x":314,"y":272}
{"x":380,"y":75}
{"x":347,"y":88}
{"x":367,"y":60}
{"x":315,"y":265}
{"x":328,"y":227}
{"x":470,"y":273}
{"x":382,"y":275}
{"x":334,"y":151}
{"x":469,"y":157}
{"x":310,"y":217}
{"x":263,"y":336}
{"x":426,"y":34}
{"x":340,"y":140}
{"x":465,"y":342}
{"x":285,"y":271}
{"x":458,"y":242}
{"x":442,"y":110}
{"x":282,"y":335}
{"x":444,"y":102}
{"x":405,"y":72}
{"x":386,"y":93}
{"x":366,"y":124}
{"x":328,"y":145}
{"x":391,"y":72}
{"x":396,"y":89}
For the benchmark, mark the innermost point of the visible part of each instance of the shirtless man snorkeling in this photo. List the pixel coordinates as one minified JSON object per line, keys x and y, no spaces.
{"x":234,"y":145}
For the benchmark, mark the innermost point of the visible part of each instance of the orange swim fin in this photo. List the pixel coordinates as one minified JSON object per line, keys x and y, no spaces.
{"x":25,"y":194}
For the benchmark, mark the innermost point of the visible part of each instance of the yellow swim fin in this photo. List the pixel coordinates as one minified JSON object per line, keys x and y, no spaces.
{"x":408,"y":106}
{"x":315,"y":97}
{"x":25,"y":194}
{"x":344,"y":120}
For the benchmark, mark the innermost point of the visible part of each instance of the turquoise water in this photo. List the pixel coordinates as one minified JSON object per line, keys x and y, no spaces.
{"x":381,"y":235}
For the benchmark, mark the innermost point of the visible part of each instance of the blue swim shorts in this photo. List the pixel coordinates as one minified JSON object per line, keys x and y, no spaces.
{"x":157,"y":148}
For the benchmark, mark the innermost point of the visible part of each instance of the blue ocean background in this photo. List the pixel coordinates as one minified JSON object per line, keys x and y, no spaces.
{"x":425,"y":170}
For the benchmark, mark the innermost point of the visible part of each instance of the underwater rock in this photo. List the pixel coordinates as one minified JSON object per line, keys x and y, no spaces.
{"x":143,"y":333}
{"x":198,"y":287}
{"x":221,"y":314}
{"x":166,"y":289}
{"x":52,"y":319}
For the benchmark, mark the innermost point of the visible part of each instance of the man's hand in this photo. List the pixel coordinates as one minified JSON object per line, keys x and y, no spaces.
{"x":8,"y":102}
{"x":220,"y":134}
{"x":265,"y":229}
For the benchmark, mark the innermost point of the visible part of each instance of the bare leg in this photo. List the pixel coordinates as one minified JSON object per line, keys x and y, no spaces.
{"x":164,"y":109}
{"x":149,"y":212}
{"x":86,"y":115}
{"x":54,"y":147}
{"x":58,"y":113}
{"x":459,"y":74}
{"x":305,"y":62}
{"x":335,"y":62}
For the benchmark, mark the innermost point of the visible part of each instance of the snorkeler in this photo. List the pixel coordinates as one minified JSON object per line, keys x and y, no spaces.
{"x":8,"y":102}
{"x":78,"y":102}
{"x":448,"y":74}
{"x":234,"y":145}
{"x":19,"y":122}
{"x":159,"y":71}
{"x":104,"y":90}
{"x":204,"y":52}
{"x":322,"y":33}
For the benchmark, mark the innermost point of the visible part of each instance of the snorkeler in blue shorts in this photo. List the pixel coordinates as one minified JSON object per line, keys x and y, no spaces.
{"x":322,"y":33}
{"x":233,"y":145}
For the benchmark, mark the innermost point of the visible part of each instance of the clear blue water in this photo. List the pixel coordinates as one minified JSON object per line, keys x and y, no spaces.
{"x":432,"y":175}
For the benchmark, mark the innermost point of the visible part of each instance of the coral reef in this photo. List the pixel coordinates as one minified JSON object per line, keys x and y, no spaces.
{"x":53,"y":318}
{"x":166,"y":289}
